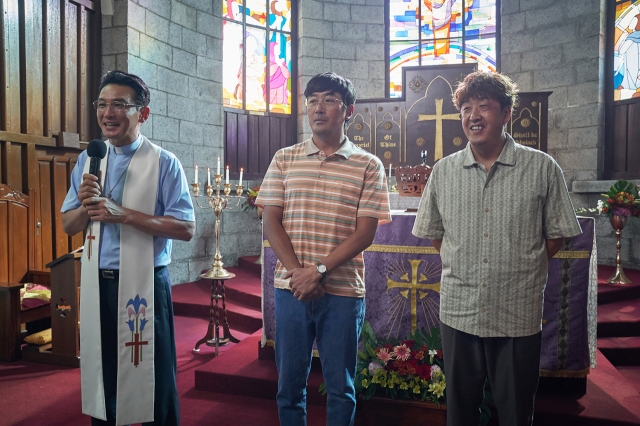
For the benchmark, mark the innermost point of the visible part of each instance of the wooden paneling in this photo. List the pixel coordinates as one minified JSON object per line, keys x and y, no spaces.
{"x":32,"y":57}
{"x":633,"y":140}
{"x":52,"y":59}
{"x":619,"y":141}
{"x":49,"y":73}
{"x":11,"y":66}
{"x":251,"y":141}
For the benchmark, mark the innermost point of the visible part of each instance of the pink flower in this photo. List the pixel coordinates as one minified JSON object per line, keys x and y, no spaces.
{"x":383,"y":355}
{"x":402,"y":352}
{"x":621,"y":211}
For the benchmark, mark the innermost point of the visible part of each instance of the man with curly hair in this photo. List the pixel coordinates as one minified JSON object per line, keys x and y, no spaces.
{"x":497,"y":212}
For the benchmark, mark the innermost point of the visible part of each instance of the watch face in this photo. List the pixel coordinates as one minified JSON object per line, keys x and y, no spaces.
{"x":322,"y":269}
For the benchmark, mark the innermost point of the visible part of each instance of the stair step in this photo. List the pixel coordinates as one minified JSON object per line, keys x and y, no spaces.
{"x":248,"y":264}
{"x":619,"y":319}
{"x":621,"y":351}
{"x":632,"y":374}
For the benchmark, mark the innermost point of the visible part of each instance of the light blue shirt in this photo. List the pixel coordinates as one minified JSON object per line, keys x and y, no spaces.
{"x":173,"y":199}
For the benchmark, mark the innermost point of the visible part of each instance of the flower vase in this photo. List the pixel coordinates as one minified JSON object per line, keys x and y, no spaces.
{"x":618,"y":223}
{"x":260,"y":211}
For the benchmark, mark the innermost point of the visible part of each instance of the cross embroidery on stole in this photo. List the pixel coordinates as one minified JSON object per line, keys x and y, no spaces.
{"x":91,"y":239}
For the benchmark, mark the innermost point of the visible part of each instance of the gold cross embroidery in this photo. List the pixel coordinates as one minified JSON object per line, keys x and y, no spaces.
{"x":438,"y":117}
{"x":413,"y":287}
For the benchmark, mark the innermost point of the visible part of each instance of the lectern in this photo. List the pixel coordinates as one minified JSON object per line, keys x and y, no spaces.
{"x":64,"y":348}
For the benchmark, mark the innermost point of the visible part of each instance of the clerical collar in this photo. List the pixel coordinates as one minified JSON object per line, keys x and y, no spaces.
{"x":128,"y":149}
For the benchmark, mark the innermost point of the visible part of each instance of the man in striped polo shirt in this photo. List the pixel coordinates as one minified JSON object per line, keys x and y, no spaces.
{"x":322,"y":201}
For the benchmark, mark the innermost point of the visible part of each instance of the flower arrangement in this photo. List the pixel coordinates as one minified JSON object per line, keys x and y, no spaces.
{"x":250,"y":203}
{"x":401,"y":369}
{"x":621,"y":200}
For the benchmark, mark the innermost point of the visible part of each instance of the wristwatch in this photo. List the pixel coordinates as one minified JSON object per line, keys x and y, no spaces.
{"x":322,"y":269}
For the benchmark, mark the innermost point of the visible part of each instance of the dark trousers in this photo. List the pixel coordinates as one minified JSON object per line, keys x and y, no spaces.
{"x":512,"y":365}
{"x":166,"y":403}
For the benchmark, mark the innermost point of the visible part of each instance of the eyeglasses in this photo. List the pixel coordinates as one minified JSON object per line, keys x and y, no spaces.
{"x":118,"y":107}
{"x":329,"y":102}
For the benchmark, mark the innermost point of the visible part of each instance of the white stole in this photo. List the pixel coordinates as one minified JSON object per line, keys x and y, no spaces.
{"x":136,"y":375}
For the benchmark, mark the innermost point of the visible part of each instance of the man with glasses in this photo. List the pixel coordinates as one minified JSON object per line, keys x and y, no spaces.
{"x":322,"y":201}
{"x":131,"y":212}
{"x":497,"y":212}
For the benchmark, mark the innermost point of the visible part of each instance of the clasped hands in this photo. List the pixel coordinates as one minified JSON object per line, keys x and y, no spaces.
{"x":99,"y":208}
{"x":305,"y":283}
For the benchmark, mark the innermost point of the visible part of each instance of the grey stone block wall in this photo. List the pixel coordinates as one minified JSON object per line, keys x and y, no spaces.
{"x":176,"y":47}
{"x":346,"y":37}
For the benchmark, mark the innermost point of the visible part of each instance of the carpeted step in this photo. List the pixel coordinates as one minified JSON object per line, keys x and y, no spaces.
{"x":632,"y":374}
{"x":619,"y":319}
{"x":611,"y":293}
{"x":248,"y":263}
{"x":240,"y":372}
{"x":621,"y":351}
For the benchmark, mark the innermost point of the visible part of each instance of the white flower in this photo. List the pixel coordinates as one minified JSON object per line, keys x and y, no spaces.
{"x":436,"y":371}
{"x":433,"y":352}
{"x":600,"y":206}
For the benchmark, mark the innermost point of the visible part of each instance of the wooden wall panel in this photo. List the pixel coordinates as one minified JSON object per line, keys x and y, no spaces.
{"x":619,"y":141}
{"x":11,"y":68}
{"x":4,"y":242}
{"x":18,"y":239}
{"x":47,"y":213}
{"x":83,"y":67}
{"x":263,"y":140}
{"x":12,"y":165}
{"x":61,"y":240}
{"x":53,"y":84}
{"x":71,"y":68}
{"x":633,"y":139}
{"x":32,"y":57}
{"x":231,"y":138}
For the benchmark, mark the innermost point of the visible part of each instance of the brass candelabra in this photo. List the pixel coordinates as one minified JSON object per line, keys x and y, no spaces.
{"x":217,"y":203}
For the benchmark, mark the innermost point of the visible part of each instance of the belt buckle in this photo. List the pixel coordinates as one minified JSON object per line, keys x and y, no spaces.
{"x":108,"y":274}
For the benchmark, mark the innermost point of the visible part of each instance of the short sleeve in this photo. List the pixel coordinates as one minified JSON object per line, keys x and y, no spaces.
{"x":559,"y":217}
{"x":428,"y":222}
{"x":374,"y":199}
{"x":71,"y":201}
{"x":272,"y":189}
{"x":174,"y":189}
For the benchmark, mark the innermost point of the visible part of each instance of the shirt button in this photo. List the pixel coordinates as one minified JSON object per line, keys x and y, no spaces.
{"x":486,"y":210}
{"x":484,"y":310}
{"x":321,"y":176}
{"x":484,"y":285}
{"x":486,"y":260}
{"x":486,"y":234}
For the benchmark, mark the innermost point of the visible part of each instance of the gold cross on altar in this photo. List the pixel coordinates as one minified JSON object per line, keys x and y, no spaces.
{"x":417,"y":283}
{"x":438,"y":117}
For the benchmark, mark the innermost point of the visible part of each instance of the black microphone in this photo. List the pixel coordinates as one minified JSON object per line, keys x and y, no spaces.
{"x":96,"y":151}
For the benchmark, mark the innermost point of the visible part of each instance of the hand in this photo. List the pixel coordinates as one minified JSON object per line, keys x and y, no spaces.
{"x":89,"y":188}
{"x":305,"y":283}
{"x":103,"y":209}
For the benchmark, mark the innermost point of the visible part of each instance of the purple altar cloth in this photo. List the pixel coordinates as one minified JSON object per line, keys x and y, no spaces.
{"x":402,"y":278}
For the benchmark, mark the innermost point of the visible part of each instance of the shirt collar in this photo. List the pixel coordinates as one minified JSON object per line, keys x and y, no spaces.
{"x":506,"y":157}
{"x":346,"y":149}
{"x":128,"y":149}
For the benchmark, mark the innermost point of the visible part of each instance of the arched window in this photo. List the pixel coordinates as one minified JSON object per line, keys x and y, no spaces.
{"x":622,"y":143}
{"x":438,"y":32}
{"x":257,"y":65}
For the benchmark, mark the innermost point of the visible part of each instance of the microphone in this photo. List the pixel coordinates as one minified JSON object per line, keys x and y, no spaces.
{"x":96,"y":151}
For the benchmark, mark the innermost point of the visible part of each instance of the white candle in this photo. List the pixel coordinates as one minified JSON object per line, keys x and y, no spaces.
{"x":389,"y":170}
{"x":218,"y":172}
{"x":226,"y":175}
{"x":196,"y":173}
{"x":240,"y":183}
{"x":208,"y":176}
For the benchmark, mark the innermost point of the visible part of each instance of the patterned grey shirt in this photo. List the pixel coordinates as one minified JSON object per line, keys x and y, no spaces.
{"x":493,"y":228}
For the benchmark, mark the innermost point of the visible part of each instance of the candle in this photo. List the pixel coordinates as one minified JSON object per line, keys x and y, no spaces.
{"x":226,"y":175}
{"x":208,"y":176}
{"x":218,"y":172}
{"x":389,"y":170}
{"x":240,"y":183}
{"x":196,"y":173}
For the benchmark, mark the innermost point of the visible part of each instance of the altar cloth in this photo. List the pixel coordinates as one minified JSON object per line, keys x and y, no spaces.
{"x":402,"y":278}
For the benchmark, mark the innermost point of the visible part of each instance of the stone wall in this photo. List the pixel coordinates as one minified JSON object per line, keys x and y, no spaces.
{"x":176,"y":47}
{"x":346,"y":37}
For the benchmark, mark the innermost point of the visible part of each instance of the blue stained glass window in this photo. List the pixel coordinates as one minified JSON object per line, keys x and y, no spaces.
{"x":626,"y":50}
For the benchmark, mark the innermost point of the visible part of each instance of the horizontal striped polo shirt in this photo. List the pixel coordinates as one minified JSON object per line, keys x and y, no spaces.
{"x":321,"y":199}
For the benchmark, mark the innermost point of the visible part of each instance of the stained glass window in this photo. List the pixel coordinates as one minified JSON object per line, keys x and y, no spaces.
{"x":626,"y":50}
{"x":438,"y":32}
{"x":256,"y":46}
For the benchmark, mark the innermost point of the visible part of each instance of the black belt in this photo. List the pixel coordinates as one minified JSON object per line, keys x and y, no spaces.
{"x":111,"y":274}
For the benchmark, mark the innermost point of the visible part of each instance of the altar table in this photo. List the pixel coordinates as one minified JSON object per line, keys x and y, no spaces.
{"x":402,"y":278}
